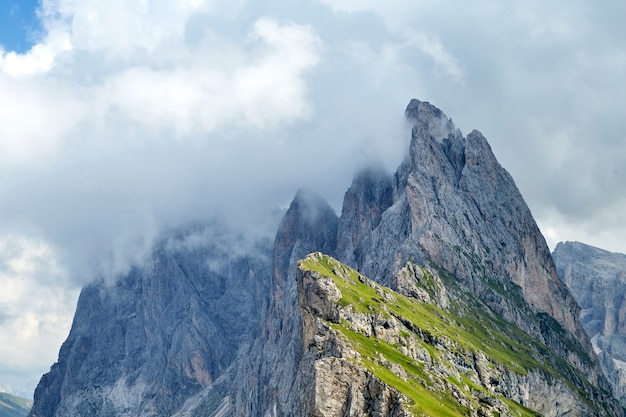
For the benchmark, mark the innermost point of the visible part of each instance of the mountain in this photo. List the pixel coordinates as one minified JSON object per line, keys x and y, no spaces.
{"x":215,"y":323}
{"x":453,"y":205}
{"x":597,"y":279}
{"x":12,"y":406}
{"x":146,"y":343}
{"x":431,"y":349}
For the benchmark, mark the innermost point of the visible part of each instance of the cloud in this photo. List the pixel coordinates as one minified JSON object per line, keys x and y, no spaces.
{"x":36,"y":307}
{"x":431,"y":46}
{"x":125,"y":130}
{"x":123,"y":121}
{"x":39,"y":59}
{"x":260,"y":88}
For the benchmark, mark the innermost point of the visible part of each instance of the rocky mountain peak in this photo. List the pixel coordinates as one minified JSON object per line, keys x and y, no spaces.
{"x":182,"y":338}
{"x":456,"y":207}
{"x":369,"y":196}
{"x":428,"y":117}
{"x":309,"y":224}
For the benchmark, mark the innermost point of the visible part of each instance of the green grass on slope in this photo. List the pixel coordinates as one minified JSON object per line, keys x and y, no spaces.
{"x":465,"y":329}
{"x":12,"y":406}
{"x":416,"y":387}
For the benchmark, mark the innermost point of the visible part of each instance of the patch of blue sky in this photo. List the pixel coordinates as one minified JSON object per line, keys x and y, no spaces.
{"x":20,"y":28}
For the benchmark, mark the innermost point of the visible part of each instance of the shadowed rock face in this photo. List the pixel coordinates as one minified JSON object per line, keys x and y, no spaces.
{"x":271,"y":381}
{"x":144,"y":344}
{"x":370,"y":195}
{"x":208,"y":328}
{"x":597,"y":279}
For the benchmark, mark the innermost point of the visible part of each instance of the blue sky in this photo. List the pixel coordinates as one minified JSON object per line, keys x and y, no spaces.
{"x":19,"y":25}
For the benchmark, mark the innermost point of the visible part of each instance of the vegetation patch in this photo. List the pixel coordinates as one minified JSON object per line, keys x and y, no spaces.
{"x":453,"y":337}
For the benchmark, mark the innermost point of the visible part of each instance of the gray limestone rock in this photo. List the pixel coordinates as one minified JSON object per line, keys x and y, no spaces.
{"x":455,"y":207}
{"x":270,"y":370}
{"x":208,"y":327}
{"x":597,"y":279}
{"x":143,"y":345}
{"x":373,"y":357}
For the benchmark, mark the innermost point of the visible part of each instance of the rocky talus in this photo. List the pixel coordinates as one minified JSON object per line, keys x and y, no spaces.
{"x":597,"y":279}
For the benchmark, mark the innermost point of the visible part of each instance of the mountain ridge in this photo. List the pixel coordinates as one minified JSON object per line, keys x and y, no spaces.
{"x":427,"y":353}
{"x":13,"y":405}
{"x":449,"y":207}
{"x":462,"y":211}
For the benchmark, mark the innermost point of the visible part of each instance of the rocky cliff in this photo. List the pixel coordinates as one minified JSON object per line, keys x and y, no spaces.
{"x":159,"y":335}
{"x":270,"y":371}
{"x":454,"y":206}
{"x":597,"y":279}
{"x":434,"y":350}
{"x":206,"y":328}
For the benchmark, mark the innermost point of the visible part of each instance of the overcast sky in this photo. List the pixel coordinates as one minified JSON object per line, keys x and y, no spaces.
{"x":120,"y":118}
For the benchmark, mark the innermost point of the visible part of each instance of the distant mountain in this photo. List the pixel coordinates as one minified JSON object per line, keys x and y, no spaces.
{"x":145,"y":344}
{"x":12,"y":406}
{"x":597,"y":279}
{"x":218,"y":324}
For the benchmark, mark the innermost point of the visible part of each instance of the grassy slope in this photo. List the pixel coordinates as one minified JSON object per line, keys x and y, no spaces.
{"x":12,"y":406}
{"x":466,"y":327}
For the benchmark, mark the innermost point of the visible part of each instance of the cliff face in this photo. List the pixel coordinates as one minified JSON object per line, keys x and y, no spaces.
{"x":371,"y":351}
{"x":159,"y":335}
{"x":268,"y":380}
{"x":597,"y":279}
{"x":454,"y":205}
{"x":207,"y":328}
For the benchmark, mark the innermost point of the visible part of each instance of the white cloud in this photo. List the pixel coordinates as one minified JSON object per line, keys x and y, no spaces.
{"x":39,"y":59}
{"x":262,"y":87}
{"x":393,"y":11}
{"x":251,"y":83}
{"x":432,"y":47}
{"x":36,"y":115}
{"x":118,"y":25}
{"x":117,"y":124}
{"x":36,"y":307}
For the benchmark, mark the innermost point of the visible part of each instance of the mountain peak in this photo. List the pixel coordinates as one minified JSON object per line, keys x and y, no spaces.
{"x":455,"y":206}
{"x":183,"y":337}
{"x":426,"y":116}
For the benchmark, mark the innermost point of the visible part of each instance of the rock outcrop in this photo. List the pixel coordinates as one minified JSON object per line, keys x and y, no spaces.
{"x":371,"y":351}
{"x":597,"y":279}
{"x":270,"y":370}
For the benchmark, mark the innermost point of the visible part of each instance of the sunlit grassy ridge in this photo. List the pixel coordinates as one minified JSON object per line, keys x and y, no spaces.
{"x":465,"y":329}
